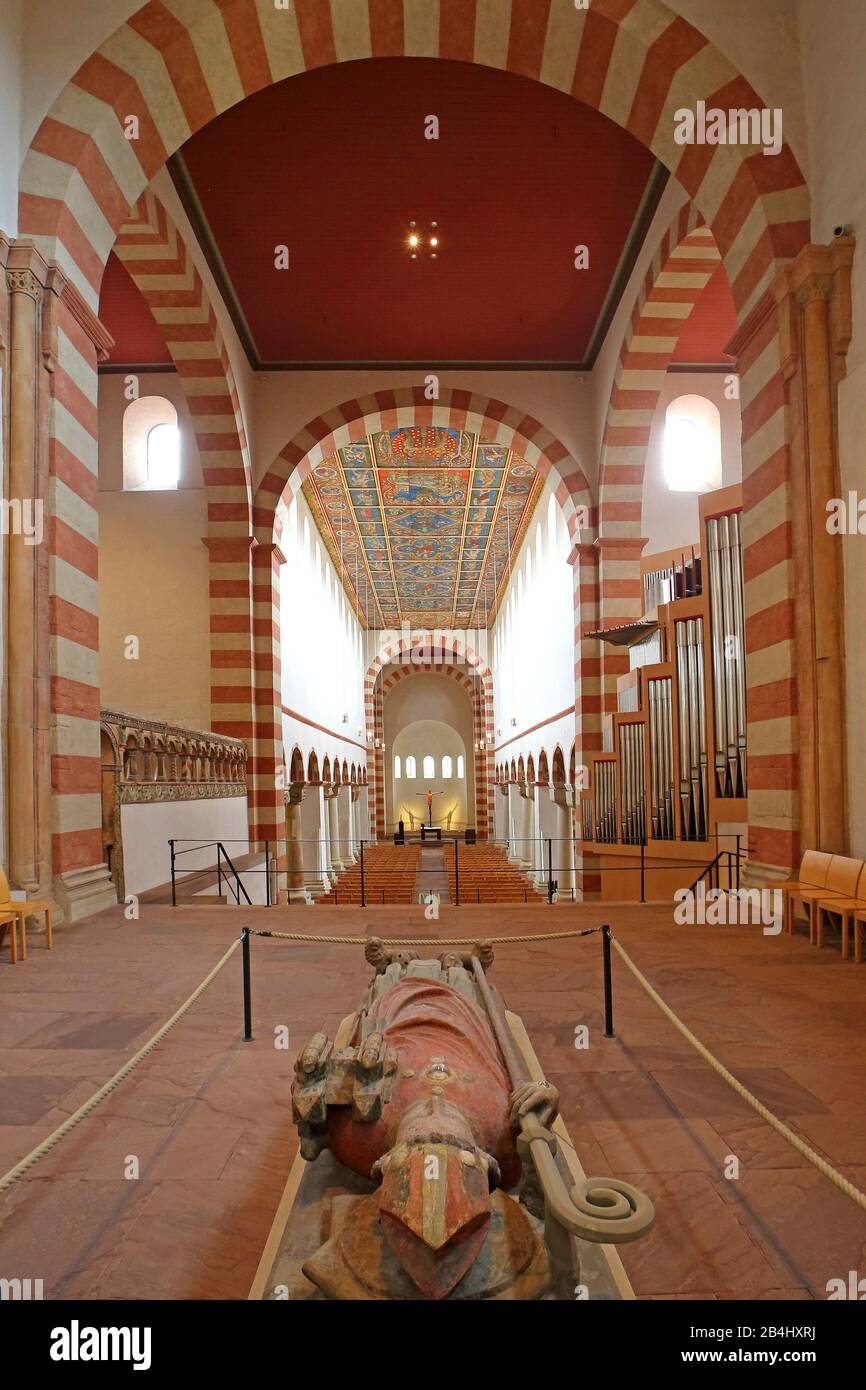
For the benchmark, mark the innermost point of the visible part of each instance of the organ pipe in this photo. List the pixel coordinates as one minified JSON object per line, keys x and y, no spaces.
{"x":724,"y":538}
{"x":661,"y":759}
{"x":632,"y":783}
{"x":693,"y":756}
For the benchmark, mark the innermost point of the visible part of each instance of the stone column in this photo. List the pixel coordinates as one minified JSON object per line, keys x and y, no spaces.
{"x":813,"y":299}
{"x":344,"y":823}
{"x":294,"y":852}
{"x":28,"y":674}
{"x":336,"y":863}
{"x":563,"y":858}
{"x":314,"y":843}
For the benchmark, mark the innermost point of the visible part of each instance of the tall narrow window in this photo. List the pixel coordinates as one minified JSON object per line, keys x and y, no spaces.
{"x":163,"y":457}
{"x":461,"y":766}
{"x":693,"y":445}
{"x":446,"y":766}
{"x":397,"y":772}
{"x":429,"y":766}
{"x":410,"y":767}
{"x":151,"y":453}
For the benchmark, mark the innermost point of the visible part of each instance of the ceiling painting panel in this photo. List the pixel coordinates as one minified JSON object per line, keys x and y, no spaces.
{"x":422,"y":522}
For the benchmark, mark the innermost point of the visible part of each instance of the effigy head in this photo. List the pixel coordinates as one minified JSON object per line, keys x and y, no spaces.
{"x":434,"y":1204}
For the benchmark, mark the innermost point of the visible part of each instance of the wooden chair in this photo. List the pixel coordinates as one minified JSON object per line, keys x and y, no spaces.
{"x":859,"y":930}
{"x":24,"y":908}
{"x":842,"y":879}
{"x":814,"y":868}
{"x":7,"y":920}
{"x":845,"y":909}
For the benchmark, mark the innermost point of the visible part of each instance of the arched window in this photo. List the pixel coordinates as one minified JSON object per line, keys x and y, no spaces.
{"x":429,"y":766}
{"x":446,"y":766}
{"x":410,"y":767}
{"x":693,"y":445}
{"x":163,"y":457}
{"x":461,"y":766}
{"x":151,"y":444}
{"x":397,"y":769}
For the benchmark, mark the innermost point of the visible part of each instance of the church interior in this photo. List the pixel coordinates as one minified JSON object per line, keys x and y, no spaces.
{"x":432,"y":792}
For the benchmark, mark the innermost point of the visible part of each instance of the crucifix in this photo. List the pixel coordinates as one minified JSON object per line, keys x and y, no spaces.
{"x":430,"y":796}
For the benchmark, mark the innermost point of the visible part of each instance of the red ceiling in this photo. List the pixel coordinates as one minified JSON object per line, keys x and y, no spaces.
{"x":711,"y":324}
{"x":333,"y":163}
{"x":122,"y":308}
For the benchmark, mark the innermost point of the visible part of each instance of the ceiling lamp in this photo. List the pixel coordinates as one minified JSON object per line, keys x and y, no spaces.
{"x":420,"y":241}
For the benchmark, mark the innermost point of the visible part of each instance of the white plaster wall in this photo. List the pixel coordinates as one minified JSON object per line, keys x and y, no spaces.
{"x":323,"y":649}
{"x":434,"y":738}
{"x":428,"y":699}
{"x":11,"y":39}
{"x":153,"y":573}
{"x":533,"y":643}
{"x":670,"y":518}
{"x":146,"y":831}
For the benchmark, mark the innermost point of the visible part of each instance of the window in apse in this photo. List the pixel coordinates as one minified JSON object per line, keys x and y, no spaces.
{"x":692,"y":445}
{"x":429,"y":766}
{"x":461,"y":766}
{"x":410,"y":767}
{"x":446,"y":767}
{"x":397,"y":772}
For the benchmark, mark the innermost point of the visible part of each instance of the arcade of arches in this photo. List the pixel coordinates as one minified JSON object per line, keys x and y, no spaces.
{"x":431,"y":485}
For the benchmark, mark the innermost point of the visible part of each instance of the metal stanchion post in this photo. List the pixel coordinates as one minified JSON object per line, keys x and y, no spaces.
{"x":248,"y":1004}
{"x":363,"y":898}
{"x":550,"y":884}
{"x":456,"y":876}
{"x":608,"y":983}
{"x":267,"y":873}
{"x":642,"y":873}
{"x":173,"y":889}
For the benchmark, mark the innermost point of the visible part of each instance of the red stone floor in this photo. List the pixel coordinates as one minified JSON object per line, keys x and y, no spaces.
{"x":208,"y":1117}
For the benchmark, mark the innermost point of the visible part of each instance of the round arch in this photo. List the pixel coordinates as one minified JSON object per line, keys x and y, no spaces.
{"x":684,"y":262}
{"x":159,"y":263}
{"x":490,"y":419}
{"x":449,"y":656}
{"x":636,"y":62}
{"x":296,"y":766}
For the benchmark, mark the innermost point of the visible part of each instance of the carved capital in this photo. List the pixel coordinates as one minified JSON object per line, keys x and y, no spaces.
{"x":817,"y":289}
{"x":24,"y":282}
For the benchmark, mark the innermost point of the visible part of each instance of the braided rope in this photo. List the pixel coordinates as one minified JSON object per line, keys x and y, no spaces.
{"x":426,"y":940}
{"x":775,"y":1123}
{"x":89,"y":1105}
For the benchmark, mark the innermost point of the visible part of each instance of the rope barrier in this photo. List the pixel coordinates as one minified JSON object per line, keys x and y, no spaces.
{"x":745,"y":1094}
{"x":426,"y":940}
{"x":113,"y":1082}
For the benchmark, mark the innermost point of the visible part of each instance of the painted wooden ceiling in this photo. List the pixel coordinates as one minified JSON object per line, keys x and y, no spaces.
{"x":422,"y":523}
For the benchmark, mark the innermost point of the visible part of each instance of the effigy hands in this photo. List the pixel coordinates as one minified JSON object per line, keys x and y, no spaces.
{"x":538,"y":1098}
